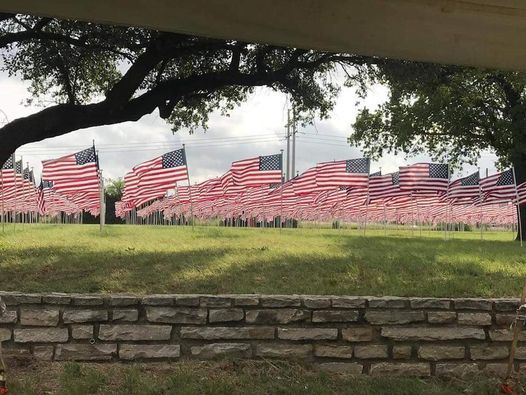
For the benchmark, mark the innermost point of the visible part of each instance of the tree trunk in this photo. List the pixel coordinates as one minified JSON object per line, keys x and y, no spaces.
{"x":522,"y":226}
{"x":519,"y":166}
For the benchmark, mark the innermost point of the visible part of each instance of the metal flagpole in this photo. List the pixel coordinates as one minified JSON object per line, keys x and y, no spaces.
{"x":16,"y":192}
{"x":294,"y":130}
{"x":189,"y":187}
{"x":480,"y":210}
{"x":2,"y":191}
{"x":385,"y":220}
{"x":366,"y":210}
{"x":412,"y":215}
{"x":102,"y":204}
{"x":281,"y":196}
{"x":287,"y":172}
{"x":418,"y":218}
{"x":448,"y":204}
{"x":518,"y":205}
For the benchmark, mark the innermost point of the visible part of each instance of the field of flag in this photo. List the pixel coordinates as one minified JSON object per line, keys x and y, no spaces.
{"x":69,"y":185}
{"x":253,"y":192}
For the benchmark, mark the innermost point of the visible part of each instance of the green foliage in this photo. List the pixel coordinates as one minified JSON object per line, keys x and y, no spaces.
{"x":77,"y":379}
{"x":216,"y":260}
{"x":185,"y":77}
{"x":227,"y":378}
{"x":114,"y":188}
{"x":451,"y":112}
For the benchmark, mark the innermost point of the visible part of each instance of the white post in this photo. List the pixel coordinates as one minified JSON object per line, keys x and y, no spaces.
{"x":281,"y":196}
{"x":2,"y":191}
{"x":385,"y":220}
{"x":480,"y":210}
{"x":287,"y":172}
{"x":16,"y":192}
{"x":189,"y":188}
{"x":447,"y":208}
{"x":412,"y":215}
{"x":102,"y":211}
{"x":294,"y":130}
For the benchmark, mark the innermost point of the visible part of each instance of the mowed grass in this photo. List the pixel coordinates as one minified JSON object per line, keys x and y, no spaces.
{"x":148,"y":259}
{"x":222,"y":378}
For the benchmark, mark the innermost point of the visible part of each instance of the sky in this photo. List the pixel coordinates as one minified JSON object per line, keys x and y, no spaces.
{"x":257,"y":127}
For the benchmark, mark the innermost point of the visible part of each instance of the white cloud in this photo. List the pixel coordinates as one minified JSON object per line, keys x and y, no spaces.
{"x":257,"y":127}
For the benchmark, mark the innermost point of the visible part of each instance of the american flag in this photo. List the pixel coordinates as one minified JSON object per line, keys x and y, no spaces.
{"x":228,"y":186}
{"x":351,"y":172}
{"x":73,"y":173}
{"x":45,"y":188}
{"x":131,"y":188}
{"x":7,"y":173}
{"x":521,"y":192}
{"x":499,"y":187}
{"x":432,"y":177}
{"x":153,"y":178}
{"x":211,"y":189}
{"x":385,"y":187}
{"x":305,"y":183}
{"x":261,"y":170}
{"x":465,"y":188}
{"x":75,"y":178}
{"x":164,"y":170}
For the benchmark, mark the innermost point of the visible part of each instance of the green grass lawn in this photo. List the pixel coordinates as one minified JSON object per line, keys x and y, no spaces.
{"x":144,"y":259}
{"x":222,"y":378}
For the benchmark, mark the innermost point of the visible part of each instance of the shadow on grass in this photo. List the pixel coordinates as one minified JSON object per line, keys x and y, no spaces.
{"x":335,"y":264}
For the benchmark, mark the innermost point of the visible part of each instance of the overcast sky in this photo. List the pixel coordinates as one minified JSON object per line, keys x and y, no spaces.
{"x":255,"y":128}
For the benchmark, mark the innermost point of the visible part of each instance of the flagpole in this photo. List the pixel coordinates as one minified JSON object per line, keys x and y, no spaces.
{"x":480,"y":209}
{"x":368,"y":197}
{"x":189,"y":187}
{"x":518,"y":205}
{"x":102,"y":204}
{"x":2,"y":190}
{"x":16,"y":191}
{"x":281,"y":195}
{"x":102,"y":209}
{"x":412,"y":215}
{"x":385,"y":220}
{"x":448,"y":203}
{"x":366,"y":209}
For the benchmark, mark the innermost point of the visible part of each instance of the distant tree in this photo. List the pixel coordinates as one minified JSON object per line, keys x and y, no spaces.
{"x":114,"y":188}
{"x":89,"y":74}
{"x":451,"y":112}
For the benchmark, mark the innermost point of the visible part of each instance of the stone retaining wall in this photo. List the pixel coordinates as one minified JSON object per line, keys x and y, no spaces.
{"x":357,"y":335}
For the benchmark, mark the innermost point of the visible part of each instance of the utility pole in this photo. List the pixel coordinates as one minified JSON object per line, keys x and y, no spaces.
{"x":294,"y":130}
{"x":287,"y":169}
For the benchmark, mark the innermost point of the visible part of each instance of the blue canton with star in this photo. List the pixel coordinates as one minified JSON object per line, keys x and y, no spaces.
{"x":395,"y":178}
{"x":270,"y":162}
{"x":472,"y":179}
{"x":18,"y":167}
{"x":438,"y":170}
{"x":506,"y":178}
{"x":8,"y":163}
{"x":360,"y":165}
{"x":86,"y":156}
{"x":175,"y":158}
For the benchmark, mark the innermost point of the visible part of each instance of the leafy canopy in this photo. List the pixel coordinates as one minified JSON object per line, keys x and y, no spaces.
{"x":451,"y":112}
{"x":139,"y":70}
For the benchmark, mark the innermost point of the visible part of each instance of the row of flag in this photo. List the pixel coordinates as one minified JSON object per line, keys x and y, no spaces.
{"x":70,"y":184}
{"x":254,"y":188}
